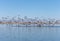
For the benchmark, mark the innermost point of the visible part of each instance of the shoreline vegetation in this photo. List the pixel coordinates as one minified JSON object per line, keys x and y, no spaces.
{"x":29,"y":21}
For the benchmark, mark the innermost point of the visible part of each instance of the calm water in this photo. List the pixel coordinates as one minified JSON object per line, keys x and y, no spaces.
{"x":29,"y":33}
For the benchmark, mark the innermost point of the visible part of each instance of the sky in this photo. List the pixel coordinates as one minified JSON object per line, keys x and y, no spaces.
{"x":30,"y":8}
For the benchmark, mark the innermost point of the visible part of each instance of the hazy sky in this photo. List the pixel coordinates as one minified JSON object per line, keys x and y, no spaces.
{"x":30,"y":8}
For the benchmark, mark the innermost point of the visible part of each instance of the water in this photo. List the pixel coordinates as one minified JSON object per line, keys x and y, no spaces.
{"x":29,"y":33}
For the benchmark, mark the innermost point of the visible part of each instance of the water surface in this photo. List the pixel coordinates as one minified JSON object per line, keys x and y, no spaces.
{"x":29,"y":33}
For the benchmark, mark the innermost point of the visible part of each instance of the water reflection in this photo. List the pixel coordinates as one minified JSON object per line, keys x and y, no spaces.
{"x":8,"y":33}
